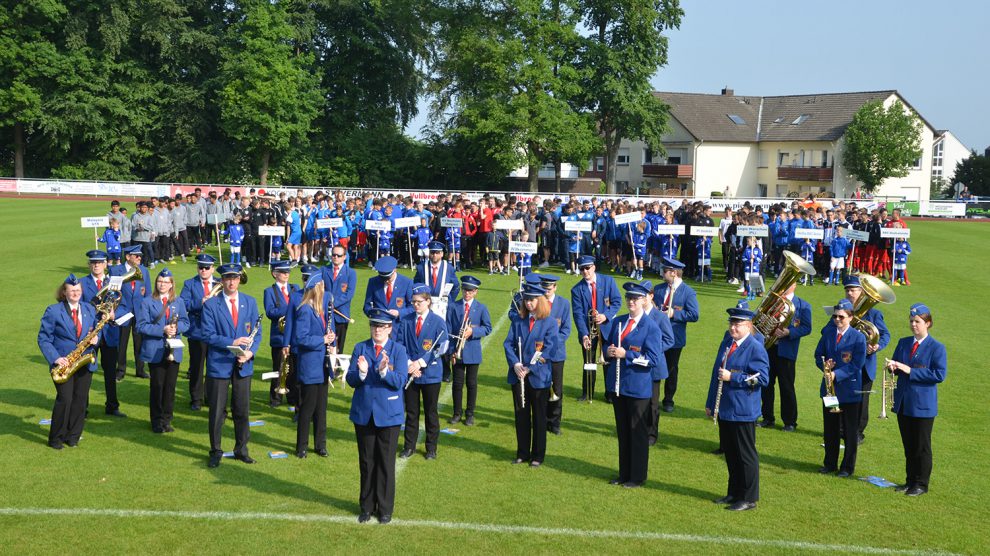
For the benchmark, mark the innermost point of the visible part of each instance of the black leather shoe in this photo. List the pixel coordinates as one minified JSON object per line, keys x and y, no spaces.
{"x":518,"y":461}
{"x":861,"y":439}
{"x":718,"y":451}
{"x":142,"y":374}
{"x":448,"y":379}
{"x":301,"y":454}
{"x":843,"y":474}
{"x":157,"y":431}
{"x":555,"y":430}
{"x":741,"y":506}
{"x":583,"y":399}
{"x":764,"y":424}
{"x":245,"y":459}
{"x":652,"y":442}
{"x":386,"y":518}
{"x":323,"y":453}
{"x":727,"y":499}
{"x":469,"y":421}
{"x":631,"y":484}
{"x":430,"y":455}
{"x":668,"y":408}
{"x":826,"y":470}
{"x":407,"y":453}
{"x":902,"y":488}
{"x":55,"y":445}
{"x":916,"y":491}
{"x":169,"y":428}
{"x":195,"y":406}
{"x":790,"y":428}
{"x":72,"y":443}
{"x":364,"y":518}
{"x":120,"y":376}
{"x":116,"y":413}
{"x":214,"y":460}
{"x":455,"y":419}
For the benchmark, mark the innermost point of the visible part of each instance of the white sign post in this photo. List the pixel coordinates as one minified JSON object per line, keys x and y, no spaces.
{"x":271,"y":232}
{"x":855,"y":236}
{"x":408,"y":222}
{"x":378,"y":226}
{"x":896,"y":234}
{"x":95,"y":222}
{"x":809,"y":233}
{"x":451,"y":222}
{"x":755,"y":231}
{"x":508,"y":224}
{"x":629,"y":218}
{"x":704,"y":231}
{"x":521,"y":248}
{"x":577,"y":226}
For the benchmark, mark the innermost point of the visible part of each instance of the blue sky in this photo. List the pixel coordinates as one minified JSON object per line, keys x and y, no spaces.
{"x":929,"y":51}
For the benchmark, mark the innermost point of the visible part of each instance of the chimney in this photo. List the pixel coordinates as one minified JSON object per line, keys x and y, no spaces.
{"x":727,"y":92}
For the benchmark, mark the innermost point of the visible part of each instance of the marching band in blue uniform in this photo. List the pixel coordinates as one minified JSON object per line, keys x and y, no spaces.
{"x":195,"y":292}
{"x":680,"y":302}
{"x":424,"y":335}
{"x":92,"y":284}
{"x":469,"y":317}
{"x":604,"y":304}
{"x":162,"y":317}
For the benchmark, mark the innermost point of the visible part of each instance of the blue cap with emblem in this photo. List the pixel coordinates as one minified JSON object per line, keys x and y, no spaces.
{"x":736,"y":313}
{"x":309,"y":270}
{"x":635,"y":290}
{"x":843,"y":305}
{"x":72,"y":280}
{"x":229,"y":270}
{"x":533,"y":290}
{"x":671,"y":263}
{"x":920,"y":309}
{"x":436,"y":246}
{"x":386,"y":266}
{"x":420,"y":289}
{"x":282,"y":266}
{"x":547,"y":280}
{"x":379,"y":316}
{"x":470,"y":283}
{"x":586,"y":260}
{"x":314,"y":281}
{"x":533,"y":278}
{"x":205,"y":260}
{"x":647,"y":284}
{"x":852,"y":281}
{"x":165,"y":273}
{"x":742,"y":304}
{"x":96,"y":256}
{"x":132,"y":250}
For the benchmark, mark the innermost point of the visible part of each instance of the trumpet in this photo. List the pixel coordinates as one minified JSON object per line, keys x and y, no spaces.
{"x":887,"y":390}
{"x":829,"y":384}
{"x":461,"y":340}
{"x":172,"y":321}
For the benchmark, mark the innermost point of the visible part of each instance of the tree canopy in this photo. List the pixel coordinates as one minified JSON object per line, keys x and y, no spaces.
{"x":881,"y":143}
{"x":974,"y":173}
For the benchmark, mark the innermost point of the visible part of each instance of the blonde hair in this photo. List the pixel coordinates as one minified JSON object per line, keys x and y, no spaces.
{"x":171,"y":293}
{"x":314,"y":298}
{"x":542,"y":310}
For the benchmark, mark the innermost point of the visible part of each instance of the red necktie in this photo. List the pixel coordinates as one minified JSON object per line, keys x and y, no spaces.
{"x":233,"y":311}
{"x":132,"y":287}
{"x":670,"y":294}
{"x":838,"y":338}
{"x":594,"y":296}
{"x":165,"y":305}
{"x":336,"y":269}
{"x":627,"y":330}
{"x":378,"y":351}
{"x":732,"y":348}
{"x":285,"y":294}
{"x":434,"y":277}
{"x":914,"y":348}
{"x":532,"y":321}
{"x":75,"y":319}
{"x":99,"y":284}
{"x":206,"y":288}
{"x":467,"y":311}
{"x":388,"y":293}
{"x":419,"y":325}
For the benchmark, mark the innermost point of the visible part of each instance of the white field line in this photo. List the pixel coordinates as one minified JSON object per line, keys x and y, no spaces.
{"x":543,"y":532}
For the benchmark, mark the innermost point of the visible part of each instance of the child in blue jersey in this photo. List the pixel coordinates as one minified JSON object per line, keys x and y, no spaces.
{"x":838,"y":249}
{"x":704,"y":247}
{"x":808,"y":254}
{"x":453,"y":236}
{"x":524,"y":260}
{"x":901,"y":251}
{"x":668,"y":246}
{"x":573,"y":251}
{"x":384,"y":243}
{"x":111,"y":236}
{"x":640,"y":238}
{"x":236,"y":231}
{"x":278,"y":242}
{"x":752,"y":262}
{"x":423,"y":240}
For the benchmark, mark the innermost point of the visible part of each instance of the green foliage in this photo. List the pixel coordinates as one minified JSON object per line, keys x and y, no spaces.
{"x":973,"y":172}
{"x":881,"y":144}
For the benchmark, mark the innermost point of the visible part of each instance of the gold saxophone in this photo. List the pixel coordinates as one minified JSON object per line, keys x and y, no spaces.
{"x":76,"y":360}
{"x":776,"y":311}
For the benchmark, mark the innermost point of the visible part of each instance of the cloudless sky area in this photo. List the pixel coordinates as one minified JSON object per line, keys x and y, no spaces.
{"x":936,"y":54}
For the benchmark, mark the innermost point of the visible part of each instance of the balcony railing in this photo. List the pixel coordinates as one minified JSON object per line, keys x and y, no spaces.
{"x":804,"y":173}
{"x":668,"y":171}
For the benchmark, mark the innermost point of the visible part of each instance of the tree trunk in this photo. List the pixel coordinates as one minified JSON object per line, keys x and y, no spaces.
{"x":534,"y":177}
{"x":266,"y":157}
{"x":556,"y":175}
{"x":612,"y":141}
{"x":18,"y":150}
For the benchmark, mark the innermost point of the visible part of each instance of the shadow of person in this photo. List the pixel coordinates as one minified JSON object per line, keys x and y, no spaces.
{"x":233,"y":472}
{"x":25,"y":428}
{"x":30,"y":399}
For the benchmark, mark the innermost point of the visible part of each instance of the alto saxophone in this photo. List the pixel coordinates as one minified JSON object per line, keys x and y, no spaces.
{"x":76,"y":360}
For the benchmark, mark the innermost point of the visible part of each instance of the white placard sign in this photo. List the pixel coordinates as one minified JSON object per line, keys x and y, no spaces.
{"x":323,"y":224}
{"x":628,"y":218}
{"x":522,"y":247}
{"x":896,"y":233}
{"x":670,"y":229}
{"x":704,"y":231}
{"x":755,"y":231}
{"x":211,"y":219}
{"x":378,"y":225}
{"x":508,"y":224}
{"x":270,"y":230}
{"x":577,"y":226}
{"x":451,"y":222}
{"x":856,"y":235}
{"x":408,"y":222}
{"x":336,"y":222}
{"x":95,"y":221}
{"x":809,"y":233}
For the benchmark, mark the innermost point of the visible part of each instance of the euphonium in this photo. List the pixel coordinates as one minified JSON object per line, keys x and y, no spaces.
{"x":776,"y":311}
{"x":874,"y":291}
{"x":133,"y":274}
{"x":76,"y":360}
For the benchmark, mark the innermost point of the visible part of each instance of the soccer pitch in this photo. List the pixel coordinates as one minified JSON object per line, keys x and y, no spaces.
{"x":126,"y":490}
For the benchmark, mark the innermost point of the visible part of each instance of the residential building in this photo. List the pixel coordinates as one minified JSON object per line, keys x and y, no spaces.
{"x":947,"y":151}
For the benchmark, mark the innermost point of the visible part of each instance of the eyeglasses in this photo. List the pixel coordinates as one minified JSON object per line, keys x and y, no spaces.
{"x":336,"y":256}
{"x":420,"y":300}
{"x":839,"y":317}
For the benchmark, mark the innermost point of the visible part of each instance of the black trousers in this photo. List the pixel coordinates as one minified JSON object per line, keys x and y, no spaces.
{"x":69,"y":412}
{"x":632,"y":427}
{"x":864,"y":408}
{"x":376,"y":460}
{"x":181,"y":243}
{"x":555,"y":409}
{"x":247,"y":249}
{"x":197,"y":357}
{"x":848,"y":420}
{"x":108,"y":362}
{"x":240,"y":399}
{"x":312,"y":409}
{"x":192,"y":234}
{"x":782,"y":372}
{"x":126,"y":331}
{"x":447,"y":370}
{"x":430,"y":395}
{"x":531,"y":422}
{"x":162,"y":245}
{"x":738,"y":440}
{"x":260,"y":248}
{"x":464,"y":373}
{"x":673,"y":358}
{"x":162,"y":391}
{"x":589,"y":378}
{"x":654,"y":433}
{"x":916,"y":436}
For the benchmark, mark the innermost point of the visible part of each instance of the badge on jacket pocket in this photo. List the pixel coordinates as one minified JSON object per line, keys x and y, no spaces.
{"x":427,"y":344}
{"x":847,"y":356}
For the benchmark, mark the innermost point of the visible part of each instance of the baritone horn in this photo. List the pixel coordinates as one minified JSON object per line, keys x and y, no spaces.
{"x":776,"y":311}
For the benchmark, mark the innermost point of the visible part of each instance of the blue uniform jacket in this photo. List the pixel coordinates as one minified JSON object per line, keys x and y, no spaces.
{"x":740,"y":402}
{"x":916,"y":394}
{"x":307,"y":332}
{"x":560,"y":312}
{"x":152,"y":328}
{"x":685,"y":304}
{"x":342,"y":288}
{"x":666,"y":342}
{"x":132,"y":292}
{"x":876,"y":317}
{"x":787,"y":347}
{"x":378,"y":399}
{"x":374,"y":296}
{"x":609,"y":301}
{"x":445,"y":274}
{"x":192,"y":296}
{"x":57,"y":335}
{"x":849,"y":356}
{"x":426,"y":346}
{"x":544,"y":338}
{"x":481,"y":326}
{"x":111,"y":332}
{"x":276,"y":307}
{"x":219,"y":332}
{"x":636,"y":377}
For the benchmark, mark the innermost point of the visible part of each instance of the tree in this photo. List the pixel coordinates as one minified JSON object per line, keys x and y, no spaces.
{"x":881,"y":144}
{"x":974,"y":173}
{"x":623,"y":50}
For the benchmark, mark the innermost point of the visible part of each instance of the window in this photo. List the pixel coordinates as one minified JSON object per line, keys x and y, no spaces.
{"x":937,"y":155}
{"x":736,"y":119}
{"x":600,"y":163}
{"x":800,"y":119}
{"x":623,"y":158}
{"x":676,"y":156}
{"x":762,"y":189}
{"x":824,"y":159}
{"x":763,"y":159}
{"x":647,"y":156}
{"x":782,"y":157}
{"x":779,"y":120}
{"x":916,"y":165}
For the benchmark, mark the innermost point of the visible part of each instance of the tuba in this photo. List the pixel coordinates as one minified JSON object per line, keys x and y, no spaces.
{"x":776,"y":310}
{"x":874,"y":291}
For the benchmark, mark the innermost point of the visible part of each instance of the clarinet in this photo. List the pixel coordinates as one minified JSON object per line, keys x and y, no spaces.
{"x":522,"y":382}
{"x":435,"y":349}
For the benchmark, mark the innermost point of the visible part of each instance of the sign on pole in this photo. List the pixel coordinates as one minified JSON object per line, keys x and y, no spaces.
{"x":704,"y":231}
{"x":407,"y":222}
{"x":451,"y":222}
{"x":378,"y":225}
{"x":856,"y":235}
{"x":755,"y":231}
{"x":671,"y":229}
{"x":809,"y":233}
{"x":270,"y":230}
{"x":95,"y":222}
{"x":522,"y":247}
{"x":577,"y":226}
{"x":323,"y":223}
{"x":895,"y":233}
{"x":628,"y":218}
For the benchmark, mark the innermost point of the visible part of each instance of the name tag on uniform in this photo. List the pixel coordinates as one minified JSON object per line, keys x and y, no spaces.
{"x":536,"y":358}
{"x":116,"y":282}
{"x":122,"y":319}
{"x":641,"y":361}
{"x":174,"y":343}
{"x":393,"y":397}
{"x":830,"y":401}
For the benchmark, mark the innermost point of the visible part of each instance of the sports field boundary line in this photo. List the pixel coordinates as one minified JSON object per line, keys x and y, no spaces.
{"x":463,"y":526}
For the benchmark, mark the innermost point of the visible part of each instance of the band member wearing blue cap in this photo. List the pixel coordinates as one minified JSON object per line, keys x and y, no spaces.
{"x":634,"y":353}
{"x":311,"y":335}
{"x":162,"y":317}
{"x":560,"y":313}
{"x":276,"y":299}
{"x":854,"y":291}
{"x":680,"y":303}
{"x":783,"y":356}
{"x":841,"y":354}
{"x":660,"y":372}
{"x":195,"y":292}
{"x":594,"y":297}
{"x":63,"y":326}
{"x":920,"y":364}
{"x":377,"y":373}
{"x":424,"y":335}
{"x":341,"y":281}
{"x":741,"y":369}
{"x":92,"y":284}
{"x":532,"y":335}
{"x":437,"y":273}
{"x":389,"y":290}
{"x":230,"y":319}
{"x":468,"y":318}
{"x":132,"y":295}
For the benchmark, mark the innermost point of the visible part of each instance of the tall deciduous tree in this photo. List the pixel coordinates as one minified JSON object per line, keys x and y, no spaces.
{"x":624,"y":48}
{"x":881,"y":143}
{"x":974,"y":173}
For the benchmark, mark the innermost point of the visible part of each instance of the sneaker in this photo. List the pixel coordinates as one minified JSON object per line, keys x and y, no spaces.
{"x":183,"y":258}
{"x":544,"y":264}
{"x":247,"y":265}
{"x":896,"y":284}
{"x":741,"y":290}
{"x":568,"y":271}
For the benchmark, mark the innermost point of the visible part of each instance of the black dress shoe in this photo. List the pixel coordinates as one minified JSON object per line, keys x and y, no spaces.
{"x":469,"y":421}
{"x":407,"y":453}
{"x":727,"y":499}
{"x":916,"y":491}
{"x":790,"y":428}
{"x":245,"y":459}
{"x":195,"y":406}
{"x":583,"y":398}
{"x":652,"y":442}
{"x":555,"y":430}
{"x":765,"y":424}
{"x":902,"y":488}
{"x":668,"y":408}
{"x":518,"y":461}
{"x":631,"y":484}
{"x":385,"y":518}
{"x":55,"y":445}
{"x":826,"y":470}
{"x":116,"y":413}
{"x":72,"y":443}
{"x":120,"y":376}
{"x":741,"y":506}
{"x":214,"y":460}
{"x":430,"y":455}
{"x":169,"y":428}
{"x":448,"y":379}
{"x":861,"y":439}
{"x":843,"y":474}
{"x":323,"y":453}
{"x":157,"y":431}
{"x":364,"y":518}
{"x":617,"y":481}
{"x":301,"y":454}
{"x":142,"y":374}
{"x":718,"y":451}
{"x":455,"y":419}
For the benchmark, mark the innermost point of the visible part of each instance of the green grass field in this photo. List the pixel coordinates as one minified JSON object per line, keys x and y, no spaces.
{"x":126,"y":490}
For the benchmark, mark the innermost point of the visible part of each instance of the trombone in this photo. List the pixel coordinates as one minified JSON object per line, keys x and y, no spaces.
{"x":591,"y":357}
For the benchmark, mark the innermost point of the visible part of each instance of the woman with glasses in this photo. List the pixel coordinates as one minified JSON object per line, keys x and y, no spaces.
{"x":160,"y":320}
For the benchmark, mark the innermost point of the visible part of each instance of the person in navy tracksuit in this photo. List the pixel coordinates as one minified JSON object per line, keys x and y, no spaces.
{"x":276,"y":299}
{"x":633,"y":354}
{"x":532,"y":335}
{"x":64,"y":324}
{"x":783,"y":356}
{"x":424,"y":335}
{"x":230,"y":319}
{"x":341,"y":281}
{"x":195,"y":291}
{"x":841,"y":355}
{"x":378,"y":371}
{"x":659,"y":371}
{"x":389,"y":290}
{"x":742,"y":368}
{"x":131,"y":295}
{"x":920,"y":364}
{"x":680,"y":302}
{"x":160,"y":318}
{"x":97,"y":279}
{"x":560,"y":313}
{"x":465,"y":366}
{"x":605,"y":305}
{"x":310,"y":333}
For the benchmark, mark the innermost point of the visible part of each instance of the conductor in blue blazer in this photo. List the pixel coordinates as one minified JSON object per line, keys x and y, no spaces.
{"x":841,"y":354}
{"x":424,"y":335}
{"x":920,"y":364}
{"x":341,"y":281}
{"x":195,"y":292}
{"x":560,"y":313}
{"x":783,"y":356}
{"x":131,"y":295}
{"x":680,"y":303}
{"x":230,"y":319}
{"x":310,"y":335}
{"x":277,"y":304}
{"x":532,"y":335}
{"x":162,"y":317}
{"x":92,"y":283}
{"x":596,"y":297}
{"x":660,"y":371}
{"x":854,"y":291}
{"x":389,"y":290}
{"x":633,"y":354}
{"x":377,"y":374}
{"x":470,"y":317}
{"x":741,"y":368}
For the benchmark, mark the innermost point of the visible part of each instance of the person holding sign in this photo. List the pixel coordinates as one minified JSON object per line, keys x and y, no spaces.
{"x":902,"y":248}
{"x":160,"y":320}
{"x":841,"y":355}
